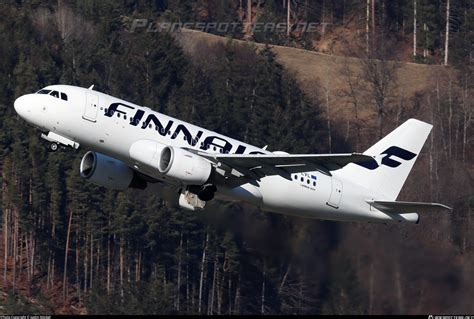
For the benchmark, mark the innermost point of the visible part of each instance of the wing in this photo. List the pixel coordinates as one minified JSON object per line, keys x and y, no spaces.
{"x":408,"y":207}
{"x":258,"y":165}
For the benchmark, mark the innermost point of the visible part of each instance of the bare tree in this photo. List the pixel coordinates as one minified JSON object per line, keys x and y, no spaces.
{"x":263,"y":291}
{"x":414,"y":28}
{"x":367,"y":28}
{"x":373,"y":23}
{"x":203,"y":269}
{"x":66,"y":256}
{"x":381,"y":77}
{"x":328,"y":112}
{"x":248,"y":24}
{"x":288,"y":20}
{"x":446,"y":41}
{"x":351,"y":92}
{"x":467,"y":112}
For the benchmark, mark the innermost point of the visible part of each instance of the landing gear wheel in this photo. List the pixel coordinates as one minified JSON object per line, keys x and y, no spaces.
{"x":53,"y":147}
{"x":207,"y":193}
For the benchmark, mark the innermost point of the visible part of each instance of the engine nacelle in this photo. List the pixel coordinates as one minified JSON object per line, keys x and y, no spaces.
{"x":188,"y":168}
{"x":109,"y":172}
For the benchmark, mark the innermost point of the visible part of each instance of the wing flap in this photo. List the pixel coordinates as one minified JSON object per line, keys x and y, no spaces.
{"x":408,"y":207}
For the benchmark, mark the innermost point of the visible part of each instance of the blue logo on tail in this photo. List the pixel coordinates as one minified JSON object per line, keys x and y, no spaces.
{"x":387,"y":160}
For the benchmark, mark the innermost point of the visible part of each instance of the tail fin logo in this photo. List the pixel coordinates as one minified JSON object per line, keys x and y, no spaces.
{"x":387,"y":160}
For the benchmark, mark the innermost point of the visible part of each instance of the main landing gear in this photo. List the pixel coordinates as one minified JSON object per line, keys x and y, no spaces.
{"x":195,"y":197}
{"x":204,"y":192}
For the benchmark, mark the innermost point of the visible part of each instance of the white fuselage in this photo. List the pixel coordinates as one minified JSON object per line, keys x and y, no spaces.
{"x":87,"y":118}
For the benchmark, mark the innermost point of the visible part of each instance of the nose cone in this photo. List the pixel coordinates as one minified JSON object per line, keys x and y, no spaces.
{"x":23,"y":106}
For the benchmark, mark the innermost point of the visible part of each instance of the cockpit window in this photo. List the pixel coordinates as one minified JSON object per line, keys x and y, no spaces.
{"x":56,"y":94}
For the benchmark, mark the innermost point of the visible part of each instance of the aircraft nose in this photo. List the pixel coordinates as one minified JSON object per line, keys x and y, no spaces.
{"x":21,"y":106}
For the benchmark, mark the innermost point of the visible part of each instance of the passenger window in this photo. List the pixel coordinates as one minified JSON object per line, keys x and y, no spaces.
{"x":118,"y":114}
{"x":55,"y":94}
{"x":63,"y":96}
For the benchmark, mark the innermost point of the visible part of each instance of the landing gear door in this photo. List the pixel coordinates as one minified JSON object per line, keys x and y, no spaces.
{"x":336,"y":193}
{"x":92,"y":105}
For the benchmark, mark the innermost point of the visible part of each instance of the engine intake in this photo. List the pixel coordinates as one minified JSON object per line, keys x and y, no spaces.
{"x":109,"y":172}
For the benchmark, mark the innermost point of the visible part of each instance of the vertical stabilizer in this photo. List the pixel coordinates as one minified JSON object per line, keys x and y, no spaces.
{"x":394,"y":157}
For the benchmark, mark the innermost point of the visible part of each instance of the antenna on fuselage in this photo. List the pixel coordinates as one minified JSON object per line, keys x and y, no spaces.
{"x":91,"y":87}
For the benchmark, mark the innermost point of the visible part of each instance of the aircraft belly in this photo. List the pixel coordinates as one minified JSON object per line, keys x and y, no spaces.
{"x":293,"y":197}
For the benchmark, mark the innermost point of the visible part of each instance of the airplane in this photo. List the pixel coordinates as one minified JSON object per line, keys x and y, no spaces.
{"x":132,"y":146}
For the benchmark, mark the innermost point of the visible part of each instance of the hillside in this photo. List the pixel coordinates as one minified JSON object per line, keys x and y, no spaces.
{"x":312,"y":67}
{"x":320,"y":76}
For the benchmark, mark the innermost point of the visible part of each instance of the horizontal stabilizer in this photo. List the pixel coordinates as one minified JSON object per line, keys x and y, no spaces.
{"x":408,"y":207}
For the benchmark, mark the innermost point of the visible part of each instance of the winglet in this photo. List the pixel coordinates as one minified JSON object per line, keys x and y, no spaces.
{"x":91,"y":87}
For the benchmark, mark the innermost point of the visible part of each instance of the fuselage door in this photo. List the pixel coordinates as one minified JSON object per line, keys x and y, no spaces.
{"x":92,"y":105}
{"x":336,"y":193}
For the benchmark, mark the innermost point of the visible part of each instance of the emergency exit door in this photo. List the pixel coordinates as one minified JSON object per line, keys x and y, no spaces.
{"x":336,"y":193}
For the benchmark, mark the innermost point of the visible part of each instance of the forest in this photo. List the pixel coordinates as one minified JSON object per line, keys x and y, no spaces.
{"x":69,"y":247}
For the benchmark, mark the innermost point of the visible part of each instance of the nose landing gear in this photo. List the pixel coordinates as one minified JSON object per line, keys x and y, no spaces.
{"x":55,"y":141}
{"x":53,"y":147}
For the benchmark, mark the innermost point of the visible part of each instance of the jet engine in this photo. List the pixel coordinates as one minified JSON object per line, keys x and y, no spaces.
{"x":158,"y":160}
{"x":189,"y":168}
{"x":109,"y":172}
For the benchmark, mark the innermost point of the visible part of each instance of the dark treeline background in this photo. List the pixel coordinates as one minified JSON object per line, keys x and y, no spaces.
{"x":70,"y":247}
{"x":425,"y":31}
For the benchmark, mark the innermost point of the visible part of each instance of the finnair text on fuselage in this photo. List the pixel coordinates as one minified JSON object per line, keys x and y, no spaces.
{"x":165,"y":126}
